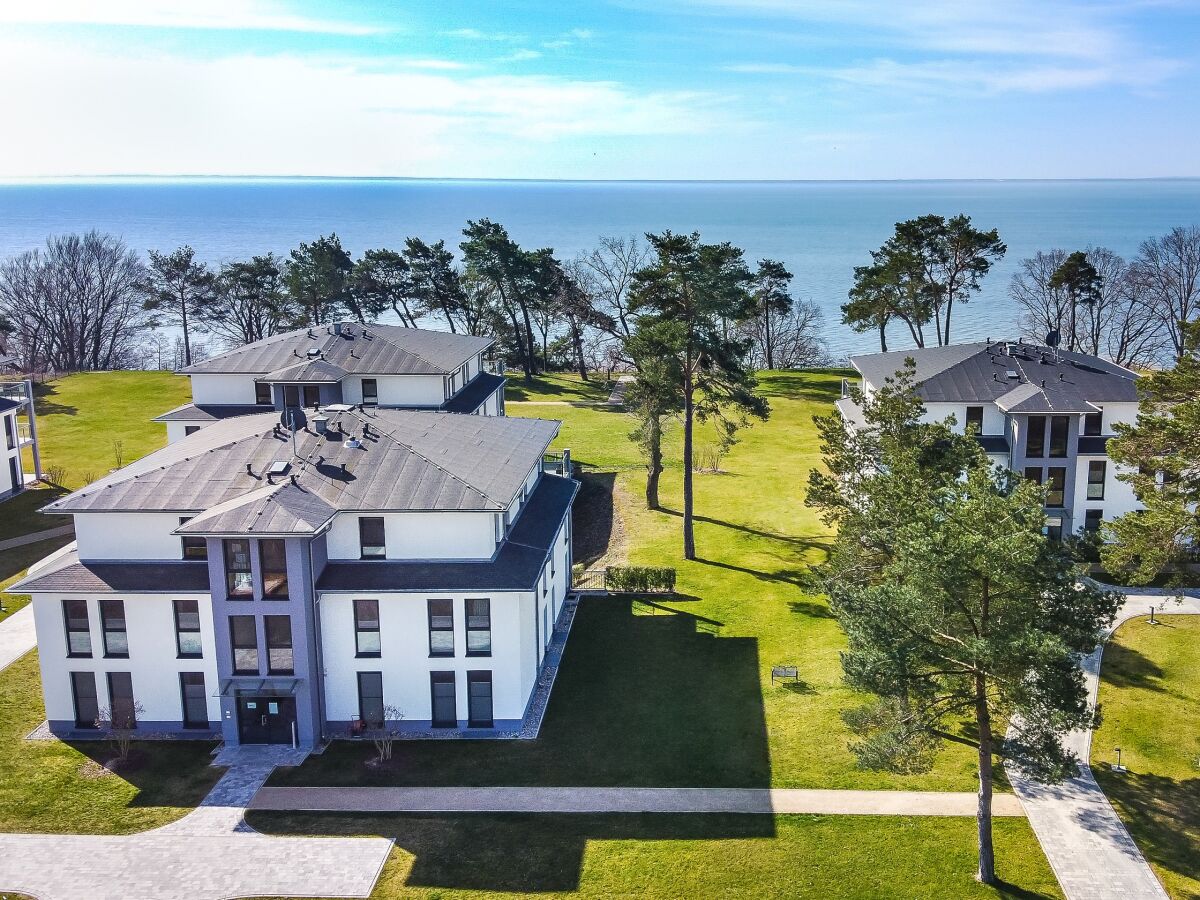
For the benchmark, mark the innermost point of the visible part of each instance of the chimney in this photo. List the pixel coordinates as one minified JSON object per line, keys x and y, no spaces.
{"x":249,"y":469}
{"x":337,"y":328}
{"x":320,"y":424}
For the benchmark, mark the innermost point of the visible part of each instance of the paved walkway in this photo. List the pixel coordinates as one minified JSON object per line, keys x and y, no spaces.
{"x":626,"y":800}
{"x":209,"y":854}
{"x":24,"y":539}
{"x":1085,"y":841}
{"x":617,"y":397}
{"x":17,"y":636}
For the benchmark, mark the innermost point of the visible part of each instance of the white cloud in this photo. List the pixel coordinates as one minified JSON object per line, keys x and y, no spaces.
{"x":442,"y":65}
{"x":474,"y":34}
{"x":157,"y":114}
{"x":264,"y":15}
{"x":522,"y":55}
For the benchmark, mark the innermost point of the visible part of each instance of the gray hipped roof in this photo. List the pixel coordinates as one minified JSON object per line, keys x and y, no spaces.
{"x":401,"y":460}
{"x":357,"y":350}
{"x":1019,"y":378}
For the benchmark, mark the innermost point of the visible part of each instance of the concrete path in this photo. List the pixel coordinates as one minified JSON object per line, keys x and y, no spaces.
{"x":626,"y":800}
{"x":617,"y":397}
{"x":25,"y":539}
{"x":17,"y":636}
{"x":1085,"y":841}
{"x":209,"y":854}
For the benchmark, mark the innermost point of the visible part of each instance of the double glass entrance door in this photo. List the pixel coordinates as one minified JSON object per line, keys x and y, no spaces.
{"x":266,"y":720}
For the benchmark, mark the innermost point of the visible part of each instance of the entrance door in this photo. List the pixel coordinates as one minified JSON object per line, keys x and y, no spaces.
{"x":266,"y":720}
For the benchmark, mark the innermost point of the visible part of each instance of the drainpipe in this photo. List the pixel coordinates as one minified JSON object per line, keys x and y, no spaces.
{"x":319,"y":685}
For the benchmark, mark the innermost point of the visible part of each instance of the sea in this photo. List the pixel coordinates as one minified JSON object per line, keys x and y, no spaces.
{"x":820,"y":229}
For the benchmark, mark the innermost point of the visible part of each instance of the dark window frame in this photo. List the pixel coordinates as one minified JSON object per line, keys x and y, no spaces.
{"x":10,"y":437}
{"x":1092,"y":518}
{"x":1035,"y":427}
{"x":191,"y":546}
{"x":1093,"y":424}
{"x":443,"y":678}
{"x":1095,"y":489}
{"x":189,"y":430}
{"x":311,"y":394}
{"x":476,"y":676}
{"x":244,"y":647}
{"x":1054,"y":490}
{"x":363,"y":697}
{"x":231,"y":573}
{"x":370,"y":398}
{"x":119,"y":715}
{"x":185,"y":718}
{"x":1054,"y":532}
{"x":264,"y":395}
{"x":362,"y":628}
{"x":180,"y":630}
{"x":440,"y":628}
{"x":379,"y":550}
{"x":71,"y":652}
{"x":76,"y":678}
{"x":974,"y":417}
{"x":1034,"y":474}
{"x":268,"y":592}
{"x":289,"y":646}
{"x":1060,"y":432}
{"x":477,"y":628}
{"x":106,"y":620}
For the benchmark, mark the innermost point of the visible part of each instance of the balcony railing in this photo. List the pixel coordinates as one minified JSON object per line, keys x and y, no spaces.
{"x":24,"y":435}
{"x":557,"y":463}
{"x":14,"y":390}
{"x":493,"y":366}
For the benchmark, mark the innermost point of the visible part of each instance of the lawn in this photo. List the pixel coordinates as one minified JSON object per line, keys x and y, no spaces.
{"x":678,"y":693}
{"x":558,"y":387}
{"x":13,"y":564}
{"x":42,"y":787}
{"x":80,"y":417}
{"x":669,"y":856}
{"x":19,"y":515}
{"x":1150,"y":701}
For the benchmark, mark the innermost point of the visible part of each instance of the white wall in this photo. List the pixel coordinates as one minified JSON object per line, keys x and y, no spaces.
{"x":1117,"y":412}
{"x":1119,"y":498}
{"x":128,"y":535}
{"x":405,"y":661}
{"x":420,"y":535}
{"x":993,"y":418}
{"x":6,"y":482}
{"x":222,"y":389}
{"x":398,"y":390}
{"x":152,"y":662}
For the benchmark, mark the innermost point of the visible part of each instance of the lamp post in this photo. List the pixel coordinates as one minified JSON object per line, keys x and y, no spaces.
{"x":1118,"y":767}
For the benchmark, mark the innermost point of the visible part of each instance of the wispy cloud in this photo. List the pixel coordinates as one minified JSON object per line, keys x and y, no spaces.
{"x":474,"y":34}
{"x":255,"y":15}
{"x":522,"y":55}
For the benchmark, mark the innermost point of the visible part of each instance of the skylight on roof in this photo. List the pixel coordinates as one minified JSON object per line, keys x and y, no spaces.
{"x":314,"y":352}
{"x":279,"y":467}
{"x":1011,"y":373}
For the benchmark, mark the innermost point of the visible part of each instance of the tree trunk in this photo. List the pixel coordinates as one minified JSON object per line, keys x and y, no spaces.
{"x":882,"y":336}
{"x":187,"y":339}
{"x":983,"y":816}
{"x":654,"y":465}
{"x":529,"y":342}
{"x":767,"y":332}
{"x":689,"y":538}
{"x":1071,"y":333}
{"x":577,"y":342}
{"x":949,"y":305}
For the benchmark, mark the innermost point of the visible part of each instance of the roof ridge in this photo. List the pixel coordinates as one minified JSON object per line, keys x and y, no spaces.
{"x":406,"y":349}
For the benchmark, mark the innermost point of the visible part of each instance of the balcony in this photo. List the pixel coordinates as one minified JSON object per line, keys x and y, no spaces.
{"x":18,"y":391}
{"x":557,"y":463}
{"x":24,"y":435}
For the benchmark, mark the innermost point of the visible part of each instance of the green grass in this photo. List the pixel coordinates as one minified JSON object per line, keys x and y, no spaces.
{"x":19,"y":515}
{"x":679,"y":693}
{"x":13,"y":564}
{"x":1150,"y":701}
{"x":80,"y":416}
{"x":557,"y":386}
{"x":669,"y":856}
{"x":42,"y":788}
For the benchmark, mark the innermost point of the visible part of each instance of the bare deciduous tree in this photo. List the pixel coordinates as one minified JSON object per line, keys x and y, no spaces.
{"x":1168,"y":272}
{"x":795,"y":335}
{"x":120,"y":722}
{"x":607,"y":275}
{"x":383,"y":733}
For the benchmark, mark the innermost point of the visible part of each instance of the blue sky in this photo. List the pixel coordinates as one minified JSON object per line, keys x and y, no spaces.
{"x":762,"y":89}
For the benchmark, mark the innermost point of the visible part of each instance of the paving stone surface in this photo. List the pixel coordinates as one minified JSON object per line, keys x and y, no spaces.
{"x":17,"y":636}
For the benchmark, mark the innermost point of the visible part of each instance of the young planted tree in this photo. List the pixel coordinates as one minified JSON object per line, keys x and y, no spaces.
{"x":958,"y":611}
{"x":317,"y":277}
{"x":654,"y":398}
{"x":178,"y":291}
{"x":698,"y":287}
{"x":1161,"y":453}
{"x":249,"y":302}
{"x":1077,"y":280}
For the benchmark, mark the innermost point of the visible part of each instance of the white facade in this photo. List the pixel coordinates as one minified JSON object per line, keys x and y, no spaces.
{"x":414,"y":535}
{"x":11,"y":472}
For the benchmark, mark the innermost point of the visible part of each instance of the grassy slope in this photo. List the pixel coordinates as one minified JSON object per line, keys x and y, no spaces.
{"x":13,"y":564}
{"x":668,"y":856}
{"x":557,"y":386}
{"x":80,"y":416}
{"x":19,"y":515}
{"x":1150,"y":700}
{"x":42,"y":790}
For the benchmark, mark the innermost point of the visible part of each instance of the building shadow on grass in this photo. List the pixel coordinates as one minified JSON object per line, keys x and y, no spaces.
{"x":166,"y":773}
{"x":592,"y":517}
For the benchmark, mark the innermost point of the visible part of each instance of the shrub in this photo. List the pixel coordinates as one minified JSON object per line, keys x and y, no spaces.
{"x":639,"y":579}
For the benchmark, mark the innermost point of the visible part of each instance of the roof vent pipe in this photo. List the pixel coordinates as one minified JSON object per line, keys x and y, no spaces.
{"x":249,"y":469}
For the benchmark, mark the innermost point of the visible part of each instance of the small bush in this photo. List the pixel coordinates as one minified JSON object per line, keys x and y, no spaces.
{"x":639,"y":579}
{"x":55,"y":475}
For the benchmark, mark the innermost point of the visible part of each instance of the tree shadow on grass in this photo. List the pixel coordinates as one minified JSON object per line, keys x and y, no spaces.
{"x":811,"y":609}
{"x":46,"y":404}
{"x":806,"y":543}
{"x":799,"y":385}
{"x":1162,"y":814}
{"x":795,"y":577}
{"x":1126,"y":667}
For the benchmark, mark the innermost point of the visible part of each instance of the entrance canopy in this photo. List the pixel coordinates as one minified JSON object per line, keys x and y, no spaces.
{"x":253,"y":687}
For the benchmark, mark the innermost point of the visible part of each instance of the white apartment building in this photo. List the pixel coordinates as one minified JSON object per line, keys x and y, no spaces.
{"x":298,"y":372}
{"x":271,"y":585}
{"x":1044,"y":412}
{"x":18,"y":435}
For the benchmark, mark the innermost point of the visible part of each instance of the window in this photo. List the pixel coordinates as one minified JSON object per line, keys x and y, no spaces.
{"x":79,"y":634}
{"x":1092,"y":519}
{"x":441,"y":627}
{"x":120,"y":700}
{"x":1035,"y":440}
{"x":112,"y":624}
{"x":444,"y":713}
{"x":272,"y":558}
{"x":1056,"y":484}
{"x":244,"y":637}
{"x":312,"y":395}
{"x":10,"y":438}
{"x":291,"y":395}
{"x":371,"y":537}
{"x":366,"y":628}
{"x":195,"y":702}
{"x":1054,"y":528}
{"x":479,"y":627}
{"x":370,"y":392}
{"x":279,"y":645}
{"x":370,"y":699}
{"x":193,"y":547}
{"x":187,"y":628}
{"x":14,"y":475}
{"x":1097,"y":469}
{"x":262,"y":394}
{"x":238,"y":582}
{"x":1034,"y":474}
{"x":189,"y":430}
{"x":83,"y":692}
{"x":1059,"y":426}
{"x":1092,"y":423}
{"x":975,"y":418}
{"x":479,"y":699}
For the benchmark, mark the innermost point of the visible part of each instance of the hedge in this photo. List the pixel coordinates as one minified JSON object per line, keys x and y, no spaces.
{"x":639,"y":579}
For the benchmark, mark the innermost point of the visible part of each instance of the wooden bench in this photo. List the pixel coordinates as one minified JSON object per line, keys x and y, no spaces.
{"x":784,"y":672}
